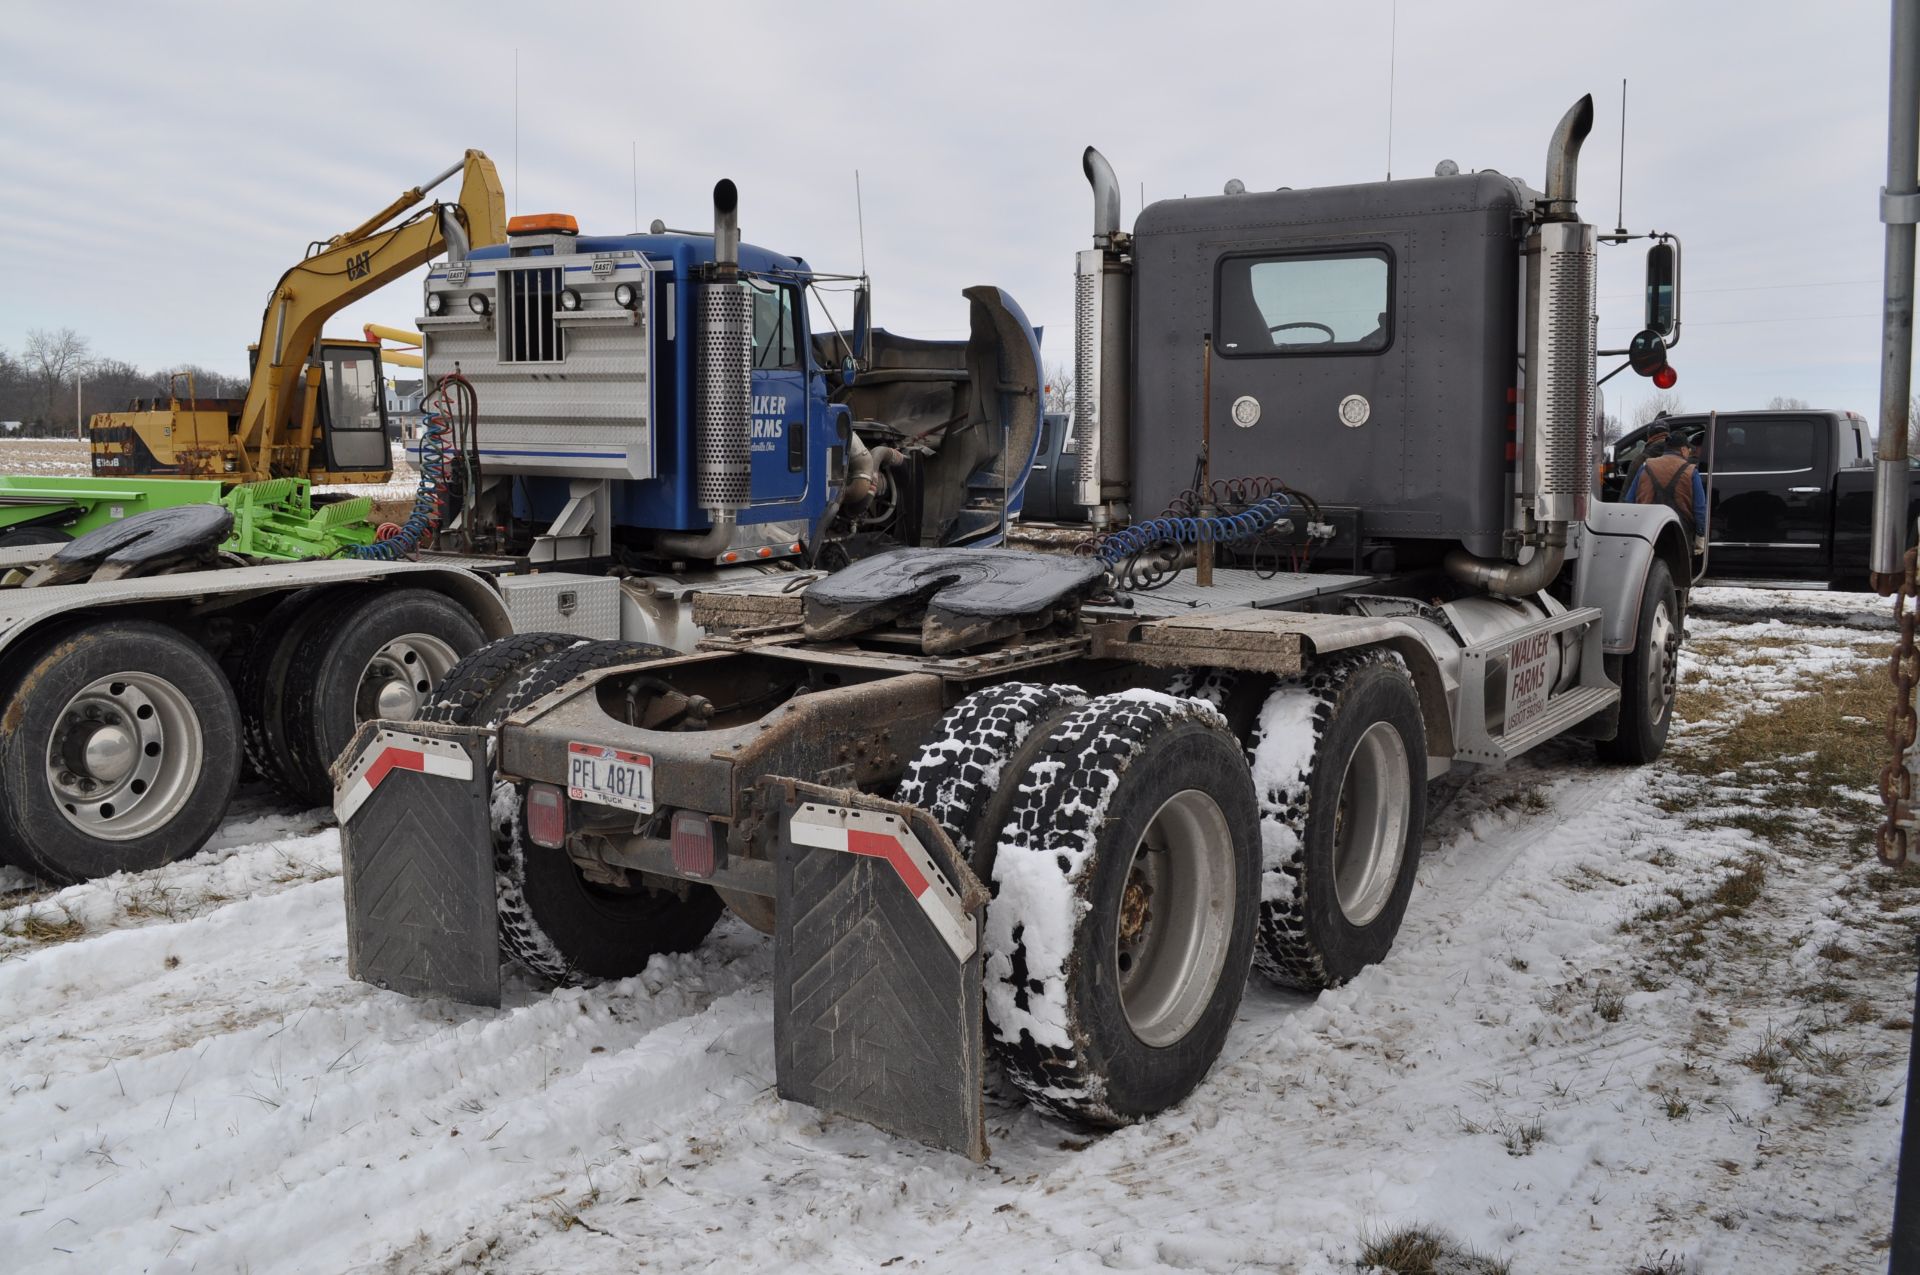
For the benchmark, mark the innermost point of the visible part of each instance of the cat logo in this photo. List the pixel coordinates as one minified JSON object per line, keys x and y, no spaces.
{"x":357,"y":267}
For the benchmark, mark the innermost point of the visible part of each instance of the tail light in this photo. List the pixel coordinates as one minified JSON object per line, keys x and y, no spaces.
{"x":546,"y":816}
{"x":693,"y":851}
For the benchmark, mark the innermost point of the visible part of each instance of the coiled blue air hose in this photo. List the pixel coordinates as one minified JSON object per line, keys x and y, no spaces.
{"x":428,"y":501}
{"x":1177,"y":530}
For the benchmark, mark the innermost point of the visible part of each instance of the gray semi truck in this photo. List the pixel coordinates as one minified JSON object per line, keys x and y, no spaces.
{"x":1052,"y":808}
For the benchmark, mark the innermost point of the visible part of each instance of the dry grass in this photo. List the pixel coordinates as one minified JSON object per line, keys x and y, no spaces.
{"x":44,"y":926}
{"x":1803,"y":749}
{"x":1425,"y":1250}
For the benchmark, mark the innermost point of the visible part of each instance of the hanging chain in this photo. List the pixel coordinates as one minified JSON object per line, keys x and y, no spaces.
{"x":1896,"y":780}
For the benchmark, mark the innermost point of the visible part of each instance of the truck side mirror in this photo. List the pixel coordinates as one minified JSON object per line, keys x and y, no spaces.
{"x":862,"y":321}
{"x":1663,"y":288}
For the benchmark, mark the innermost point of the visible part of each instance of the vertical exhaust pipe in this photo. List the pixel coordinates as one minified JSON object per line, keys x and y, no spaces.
{"x":1556,"y":472}
{"x":723,"y":433}
{"x":1103,"y":325}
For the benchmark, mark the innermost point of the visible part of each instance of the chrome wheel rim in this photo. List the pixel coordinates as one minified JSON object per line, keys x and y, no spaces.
{"x":400,"y":677}
{"x":1370,"y":824}
{"x":124,"y":756}
{"x":1175,"y":917}
{"x":1663,"y":669}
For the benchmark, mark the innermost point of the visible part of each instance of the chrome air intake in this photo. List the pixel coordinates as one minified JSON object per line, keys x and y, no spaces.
{"x":1561,"y":274}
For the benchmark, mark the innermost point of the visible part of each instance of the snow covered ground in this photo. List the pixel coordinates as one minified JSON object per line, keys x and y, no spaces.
{"x":1649,"y":1019}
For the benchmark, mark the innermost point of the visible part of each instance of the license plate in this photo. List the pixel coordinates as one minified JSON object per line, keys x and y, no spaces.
{"x":610,"y":777}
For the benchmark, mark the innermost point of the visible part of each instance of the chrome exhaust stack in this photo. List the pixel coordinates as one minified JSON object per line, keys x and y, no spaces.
{"x":1103,"y":325}
{"x":724,"y":434}
{"x":1555,"y":480}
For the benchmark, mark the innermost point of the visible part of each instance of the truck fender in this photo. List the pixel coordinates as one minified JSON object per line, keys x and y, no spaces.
{"x":1621,"y":543}
{"x":1015,"y":378}
{"x":472,"y":592}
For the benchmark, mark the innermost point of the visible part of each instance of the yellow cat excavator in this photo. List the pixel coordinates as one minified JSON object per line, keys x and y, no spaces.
{"x":315,"y":408}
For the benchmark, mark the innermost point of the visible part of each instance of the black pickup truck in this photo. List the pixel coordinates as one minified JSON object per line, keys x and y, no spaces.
{"x":1790,"y":493}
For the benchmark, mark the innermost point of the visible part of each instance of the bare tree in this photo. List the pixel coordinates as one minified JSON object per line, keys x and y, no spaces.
{"x":1060,"y":388}
{"x":1611,"y":427}
{"x":1783,"y":403}
{"x":55,"y":357}
{"x":1661,"y":404}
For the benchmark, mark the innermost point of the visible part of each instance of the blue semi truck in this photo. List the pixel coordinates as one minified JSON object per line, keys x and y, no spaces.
{"x":621,"y":420}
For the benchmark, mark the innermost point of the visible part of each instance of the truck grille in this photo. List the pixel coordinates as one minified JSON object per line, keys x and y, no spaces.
{"x":529,"y":326}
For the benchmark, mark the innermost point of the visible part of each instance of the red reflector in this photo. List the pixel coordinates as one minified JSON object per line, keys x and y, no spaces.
{"x":546,"y":816}
{"x":693,"y":843}
{"x":1513,"y":452}
{"x":1666,"y":378}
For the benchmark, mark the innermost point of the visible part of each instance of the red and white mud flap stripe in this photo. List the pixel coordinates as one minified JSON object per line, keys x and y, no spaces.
{"x":392,"y":750}
{"x":882,"y":836}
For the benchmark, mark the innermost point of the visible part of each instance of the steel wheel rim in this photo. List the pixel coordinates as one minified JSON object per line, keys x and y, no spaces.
{"x":1663,"y":670}
{"x":400,"y":677}
{"x":1175,"y":917}
{"x":1370,"y":824}
{"x":124,"y":756}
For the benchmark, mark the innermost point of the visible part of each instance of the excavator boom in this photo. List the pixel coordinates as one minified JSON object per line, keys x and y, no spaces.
{"x":280,"y":430}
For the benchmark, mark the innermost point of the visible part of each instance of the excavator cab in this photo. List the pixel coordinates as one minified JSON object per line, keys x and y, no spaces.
{"x":337,"y":433}
{"x":351,"y":414}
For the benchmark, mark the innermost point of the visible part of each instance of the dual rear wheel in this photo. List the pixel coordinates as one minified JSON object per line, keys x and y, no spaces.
{"x":1141,"y":858}
{"x":123,"y":738}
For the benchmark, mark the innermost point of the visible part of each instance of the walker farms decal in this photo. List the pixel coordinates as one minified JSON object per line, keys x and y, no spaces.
{"x":1527,"y":680}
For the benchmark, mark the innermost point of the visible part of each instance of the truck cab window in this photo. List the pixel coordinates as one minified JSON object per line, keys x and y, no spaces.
{"x":776,"y":340}
{"x":1766,"y":447}
{"x":1320,"y":303}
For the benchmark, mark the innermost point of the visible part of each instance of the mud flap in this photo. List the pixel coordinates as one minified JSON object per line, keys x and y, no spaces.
{"x":416,"y":850}
{"x":877,"y":983}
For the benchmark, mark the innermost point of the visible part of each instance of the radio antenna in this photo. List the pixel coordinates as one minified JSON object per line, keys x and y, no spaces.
{"x":1393,"y":49}
{"x":635,"y":143}
{"x":860,"y":211}
{"x":1620,"y":210}
{"x":516,"y":130}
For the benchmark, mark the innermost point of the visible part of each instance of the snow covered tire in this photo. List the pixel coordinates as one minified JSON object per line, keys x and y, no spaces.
{"x":1353,"y":708}
{"x":961,"y":775}
{"x":1078,"y":1032}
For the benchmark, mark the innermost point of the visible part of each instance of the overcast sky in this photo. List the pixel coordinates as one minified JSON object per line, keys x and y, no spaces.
{"x":161,"y":164}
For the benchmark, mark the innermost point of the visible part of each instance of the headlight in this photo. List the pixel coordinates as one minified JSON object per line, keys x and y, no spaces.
{"x":436,"y":302}
{"x":569,"y":299}
{"x":479,"y":302}
{"x":626,"y":297}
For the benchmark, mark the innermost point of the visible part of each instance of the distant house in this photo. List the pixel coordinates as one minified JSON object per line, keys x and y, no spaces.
{"x":406,"y":405}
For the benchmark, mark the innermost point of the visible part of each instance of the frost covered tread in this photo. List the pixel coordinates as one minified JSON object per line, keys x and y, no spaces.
{"x":488,"y":675}
{"x":1043,"y":996}
{"x":957,"y":773}
{"x":1300,"y":945}
{"x":550,"y":921}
